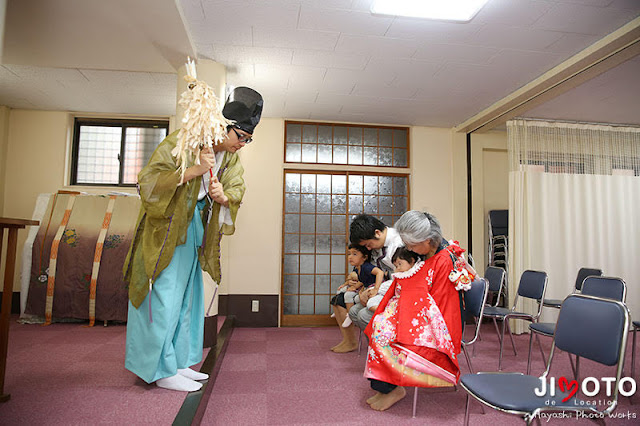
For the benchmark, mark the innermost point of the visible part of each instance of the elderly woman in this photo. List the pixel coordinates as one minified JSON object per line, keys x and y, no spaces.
{"x":416,"y":332}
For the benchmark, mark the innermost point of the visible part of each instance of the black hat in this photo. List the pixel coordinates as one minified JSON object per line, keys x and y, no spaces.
{"x":244,"y":106}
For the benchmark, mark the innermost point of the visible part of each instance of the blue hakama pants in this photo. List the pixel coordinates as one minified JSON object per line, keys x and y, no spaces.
{"x":155,"y":350}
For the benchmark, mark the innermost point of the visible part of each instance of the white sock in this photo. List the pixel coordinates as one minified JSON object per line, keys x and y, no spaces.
{"x":178,"y":383}
{"x":191,"y":374}
{"x":333,"y":315}
{"x":347,"y":322}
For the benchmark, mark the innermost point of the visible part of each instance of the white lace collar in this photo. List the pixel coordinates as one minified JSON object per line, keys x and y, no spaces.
{"x":411,"y":272}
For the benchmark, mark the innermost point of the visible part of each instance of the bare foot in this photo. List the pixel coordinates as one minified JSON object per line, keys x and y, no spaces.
{"x":374,"y":398}
{"x":386,"y":401}
{"x":347,"y":347}
{"x":339,"y":344}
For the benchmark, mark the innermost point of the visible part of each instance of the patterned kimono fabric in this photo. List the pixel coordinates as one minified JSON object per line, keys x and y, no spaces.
{"x":416,"y":332}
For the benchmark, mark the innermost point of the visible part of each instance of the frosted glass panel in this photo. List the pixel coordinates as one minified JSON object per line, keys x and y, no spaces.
{"x":370,"y":157}
{"x":339,"y":154}
{"x":291,"y":284}
{"x":294,"y":132}
{"x":290,"y":305}
{"x":307,"y":264}
{"x":290,"y":264}
{"x":322,"y":284}
{"x":291,"y":243}
{"x":322,"y":305}
{"x":292,"y":203}
{"x":355,"y":136}
{"x":355,"y":184}
{"x":400,"y":157}
{"x":308,"y":203}
{"x":306,"y":305}
{"x":355,"y":204}
{"x":400,"y":138}
{"x":306,"y":284}
{"x":355,"y":155}
{"x":309,"y":133}
{"x":335,"y":144}
{"x":340,"y":135}
{"x":293,"y":152}
{"x":308,"y":183}
{"x":307,"y":243}
{"x":292,"y":182}
{"x":322,"y":264}
{"x":323,"y":203}
{"x":324,"y":154}
{"x":339,"y":184}
{"x":316,"y":237}
{"x":309,"y":153}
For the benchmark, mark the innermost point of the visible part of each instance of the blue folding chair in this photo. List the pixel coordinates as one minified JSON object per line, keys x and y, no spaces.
{"x":547,"y":328}
{"x":587,"y":326}
{"x":533,"y":285}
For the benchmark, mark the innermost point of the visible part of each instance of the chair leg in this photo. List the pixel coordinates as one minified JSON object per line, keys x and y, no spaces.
{"x":633,"y":352}
{"x":466,"y":355}
{"x":573,"y":366}
{"x":544,"y":359}
{"x":495,"y":323}
{"x":359,"y":340}
{"x":415,"y":401}
{"x":466,"y":411}
{"x":501,"y":345}
{"x":529,"y":357}
{"x":513,"y":344}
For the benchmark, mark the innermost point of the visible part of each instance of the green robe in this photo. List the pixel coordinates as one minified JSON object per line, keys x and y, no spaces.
{"x":165,"y":214}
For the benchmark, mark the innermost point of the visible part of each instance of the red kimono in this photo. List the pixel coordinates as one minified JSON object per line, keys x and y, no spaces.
{"x":416,"y":332}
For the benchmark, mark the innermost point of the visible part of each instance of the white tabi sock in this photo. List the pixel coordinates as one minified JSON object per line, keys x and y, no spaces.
{"x":178,"y":383}
{"x":191,"y":374}
{"x":347,"y":322}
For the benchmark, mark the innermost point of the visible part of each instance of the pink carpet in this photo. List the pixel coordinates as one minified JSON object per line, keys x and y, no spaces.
{"x":67,"y":374}
{"x":288,"y":376}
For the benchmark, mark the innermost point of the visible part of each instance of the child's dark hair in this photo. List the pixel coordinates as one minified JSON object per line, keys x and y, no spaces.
{"x":364,"y":227}
{"x":405,"y":254}
{"x":362,"y":249}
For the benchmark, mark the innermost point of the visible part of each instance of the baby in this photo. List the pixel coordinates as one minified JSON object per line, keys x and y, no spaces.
{"x":403,"y":260}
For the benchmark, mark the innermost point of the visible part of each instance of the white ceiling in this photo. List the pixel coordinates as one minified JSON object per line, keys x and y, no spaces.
{"x":311,"y":59}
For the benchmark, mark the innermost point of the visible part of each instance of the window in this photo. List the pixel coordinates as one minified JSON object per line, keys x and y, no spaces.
{"x":346,"y":144}
{"x":112,"y":152}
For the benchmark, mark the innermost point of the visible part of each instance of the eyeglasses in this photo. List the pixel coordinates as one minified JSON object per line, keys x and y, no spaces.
{"x":242,"y":138}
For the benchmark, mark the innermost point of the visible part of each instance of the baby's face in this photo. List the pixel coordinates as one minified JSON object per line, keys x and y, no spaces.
{"x":402,"y":265}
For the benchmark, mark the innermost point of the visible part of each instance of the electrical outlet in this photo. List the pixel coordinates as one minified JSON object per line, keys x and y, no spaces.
{"x":255,"y":306}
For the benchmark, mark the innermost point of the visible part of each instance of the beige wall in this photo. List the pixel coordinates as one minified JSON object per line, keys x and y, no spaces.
{"x":432,"y":174}
{"x":490,"y":186}
{"x":39,"y":142}
{"x":252,"y":256}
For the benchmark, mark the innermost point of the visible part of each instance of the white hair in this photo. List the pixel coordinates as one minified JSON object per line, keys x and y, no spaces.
{"x":415,"y":227}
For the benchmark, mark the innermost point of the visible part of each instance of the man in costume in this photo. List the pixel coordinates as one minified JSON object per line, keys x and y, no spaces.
{"x":184,"y":213}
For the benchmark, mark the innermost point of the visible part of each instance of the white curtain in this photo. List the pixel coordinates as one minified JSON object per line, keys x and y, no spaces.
{"x":574,"y":201}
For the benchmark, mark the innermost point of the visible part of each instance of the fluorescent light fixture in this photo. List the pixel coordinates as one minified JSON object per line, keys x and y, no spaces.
{"x":446,"y":10}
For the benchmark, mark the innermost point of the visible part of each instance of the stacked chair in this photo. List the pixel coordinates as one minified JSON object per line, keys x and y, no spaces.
{"x":498,"y":238}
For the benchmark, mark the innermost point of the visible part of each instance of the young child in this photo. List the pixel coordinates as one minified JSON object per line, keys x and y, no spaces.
{"x":365,"y":277}
{"x":403,"y":260}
